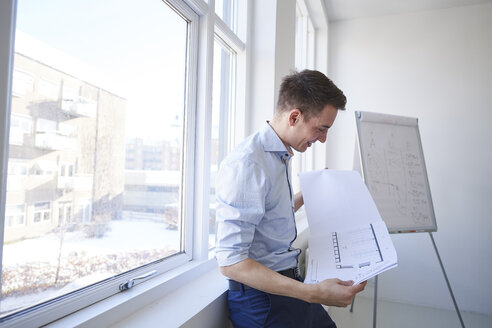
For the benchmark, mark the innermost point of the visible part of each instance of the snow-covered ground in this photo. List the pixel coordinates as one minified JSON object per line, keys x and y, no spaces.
{"x":122,"y":236}
{"x":126,"y":236}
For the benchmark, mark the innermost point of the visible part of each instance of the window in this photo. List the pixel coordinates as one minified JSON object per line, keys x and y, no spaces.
{"x":137,"y":87}
{"x":44,"y":167}
{"x":115,"y":122}
{"x":23,"y":83}
{"x":304,"y":59}
{"x":42,"y":212}
{"x":18,"y":167}
{"x":223,"y":99}
{"x":226,"y":10}
{"x":46,"y":126}
{"x":20,"y":126}
{"x":65,"y":214}
{"x":48,"y":89}
{"x":66,"y":170}
{"x":15,"y":215}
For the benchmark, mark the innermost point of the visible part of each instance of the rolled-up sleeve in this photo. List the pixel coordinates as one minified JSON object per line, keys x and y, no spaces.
{"x":241,"y":188}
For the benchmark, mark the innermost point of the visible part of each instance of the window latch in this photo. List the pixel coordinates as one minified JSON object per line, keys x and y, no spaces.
{"x":130,"y":283}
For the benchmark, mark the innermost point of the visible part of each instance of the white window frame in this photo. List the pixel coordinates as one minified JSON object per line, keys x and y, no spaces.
{"x":195,"y":261}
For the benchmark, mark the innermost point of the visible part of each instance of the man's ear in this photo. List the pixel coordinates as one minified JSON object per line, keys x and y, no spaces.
{"x":295,"y":116}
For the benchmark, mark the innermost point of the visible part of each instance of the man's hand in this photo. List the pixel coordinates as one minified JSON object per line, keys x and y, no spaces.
{"x":337,"y":292}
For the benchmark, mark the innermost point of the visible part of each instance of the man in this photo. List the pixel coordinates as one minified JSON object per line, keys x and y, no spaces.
{"x":255,"y":216}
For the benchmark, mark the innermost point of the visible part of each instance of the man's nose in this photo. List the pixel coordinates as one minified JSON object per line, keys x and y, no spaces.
{"x":322,"y":138}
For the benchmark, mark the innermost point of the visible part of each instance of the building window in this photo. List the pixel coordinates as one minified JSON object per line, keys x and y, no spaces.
{"x":49,"y":89}
{"x":117,"y":146}
{"x":23,"y":82}
{"x":42,"y":212}
{"x":18,"y":167}
{"x":65,"y":214}
{"x":20,"y":126}
{"x":223,"y":99}
{"x":15,"y":215}
{"x":45,"y":126}
{"x":136,"y":92}
{"x":44,"y":167}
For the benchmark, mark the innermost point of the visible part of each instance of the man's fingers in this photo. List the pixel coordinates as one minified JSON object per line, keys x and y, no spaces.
{"x":359,"y":287}
{"x":346,"y":282}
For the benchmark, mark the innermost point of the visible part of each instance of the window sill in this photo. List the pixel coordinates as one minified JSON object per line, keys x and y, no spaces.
{"x":197,"y":280}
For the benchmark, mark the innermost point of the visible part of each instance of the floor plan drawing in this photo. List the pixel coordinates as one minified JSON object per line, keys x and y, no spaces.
{"x":356,"y":248}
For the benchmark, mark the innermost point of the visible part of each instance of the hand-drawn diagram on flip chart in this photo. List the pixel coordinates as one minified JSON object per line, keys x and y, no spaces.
{"x":394,"y":170}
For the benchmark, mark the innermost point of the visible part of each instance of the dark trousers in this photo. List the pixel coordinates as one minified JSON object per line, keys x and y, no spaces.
{"x":251,"y":308}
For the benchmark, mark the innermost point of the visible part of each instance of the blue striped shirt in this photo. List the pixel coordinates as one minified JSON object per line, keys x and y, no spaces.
{"x":255,"y":213}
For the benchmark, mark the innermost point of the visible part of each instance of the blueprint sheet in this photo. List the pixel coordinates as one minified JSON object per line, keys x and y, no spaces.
{"x":348,"y":239}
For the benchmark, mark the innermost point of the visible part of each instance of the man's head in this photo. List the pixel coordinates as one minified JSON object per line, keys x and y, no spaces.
{"x":309,"y":91}
{"x":307,"y":106}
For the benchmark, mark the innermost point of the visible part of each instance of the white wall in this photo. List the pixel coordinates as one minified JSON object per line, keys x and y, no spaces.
{"x":436,"y":66}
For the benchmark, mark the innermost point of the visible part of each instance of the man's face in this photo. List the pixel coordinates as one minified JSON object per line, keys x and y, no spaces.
{"x":305,"y":133}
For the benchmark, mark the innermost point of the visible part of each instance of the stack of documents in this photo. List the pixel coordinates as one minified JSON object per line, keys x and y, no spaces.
{"x":348,"y":239}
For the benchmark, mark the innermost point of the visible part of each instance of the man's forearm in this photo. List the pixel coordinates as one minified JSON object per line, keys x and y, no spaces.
{"x":258,"y":276}
{"x":329,"y":292}
{"x":298,"y":201}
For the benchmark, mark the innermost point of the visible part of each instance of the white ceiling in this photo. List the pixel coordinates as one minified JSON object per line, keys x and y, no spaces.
{"x":350,"y":9}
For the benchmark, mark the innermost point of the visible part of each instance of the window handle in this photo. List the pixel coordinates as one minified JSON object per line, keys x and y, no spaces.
{"x":130,"y":283}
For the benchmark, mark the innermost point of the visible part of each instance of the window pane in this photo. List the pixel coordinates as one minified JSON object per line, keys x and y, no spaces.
{"x":304,"y":58}
{"x":98,"y":112}
{"x":222,"y":100}
{"x":226,"y":10}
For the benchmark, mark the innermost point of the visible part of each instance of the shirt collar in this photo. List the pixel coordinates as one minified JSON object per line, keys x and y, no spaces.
{"x":272,"y":143}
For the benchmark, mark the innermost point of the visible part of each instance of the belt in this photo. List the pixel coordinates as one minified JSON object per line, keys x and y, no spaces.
{"x":291,"y":273}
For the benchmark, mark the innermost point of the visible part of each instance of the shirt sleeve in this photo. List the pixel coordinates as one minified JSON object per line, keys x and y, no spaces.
{"x":241,"y":191}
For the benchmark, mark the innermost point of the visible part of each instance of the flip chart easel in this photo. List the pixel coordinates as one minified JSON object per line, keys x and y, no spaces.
{"x":389,"y":156}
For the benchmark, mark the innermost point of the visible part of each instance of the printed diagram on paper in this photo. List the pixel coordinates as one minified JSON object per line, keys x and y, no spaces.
{"x":348,"y":239}
{"x":357,"y":253}
{"x":356,"y":248}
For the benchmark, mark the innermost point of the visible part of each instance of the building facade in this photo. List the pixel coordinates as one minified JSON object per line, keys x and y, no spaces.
{"x":66,"y":152}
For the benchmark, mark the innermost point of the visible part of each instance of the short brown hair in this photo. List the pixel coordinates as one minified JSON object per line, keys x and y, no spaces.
{"x":309,"y":91}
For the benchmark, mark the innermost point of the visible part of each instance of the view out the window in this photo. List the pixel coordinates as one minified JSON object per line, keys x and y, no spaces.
{"x":96,"y":146}
{"x":222,"y":109}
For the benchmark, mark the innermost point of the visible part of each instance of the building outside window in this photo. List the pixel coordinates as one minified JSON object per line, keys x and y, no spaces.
{"x":107,"y":187}
{"x":86,"y":110}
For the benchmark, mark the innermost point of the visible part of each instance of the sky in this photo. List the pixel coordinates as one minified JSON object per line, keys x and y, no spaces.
{"x":139,"y":45}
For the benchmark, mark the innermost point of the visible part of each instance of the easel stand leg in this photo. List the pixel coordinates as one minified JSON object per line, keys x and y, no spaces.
{"x":447,"y":281}
{"x":375,"y":308}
